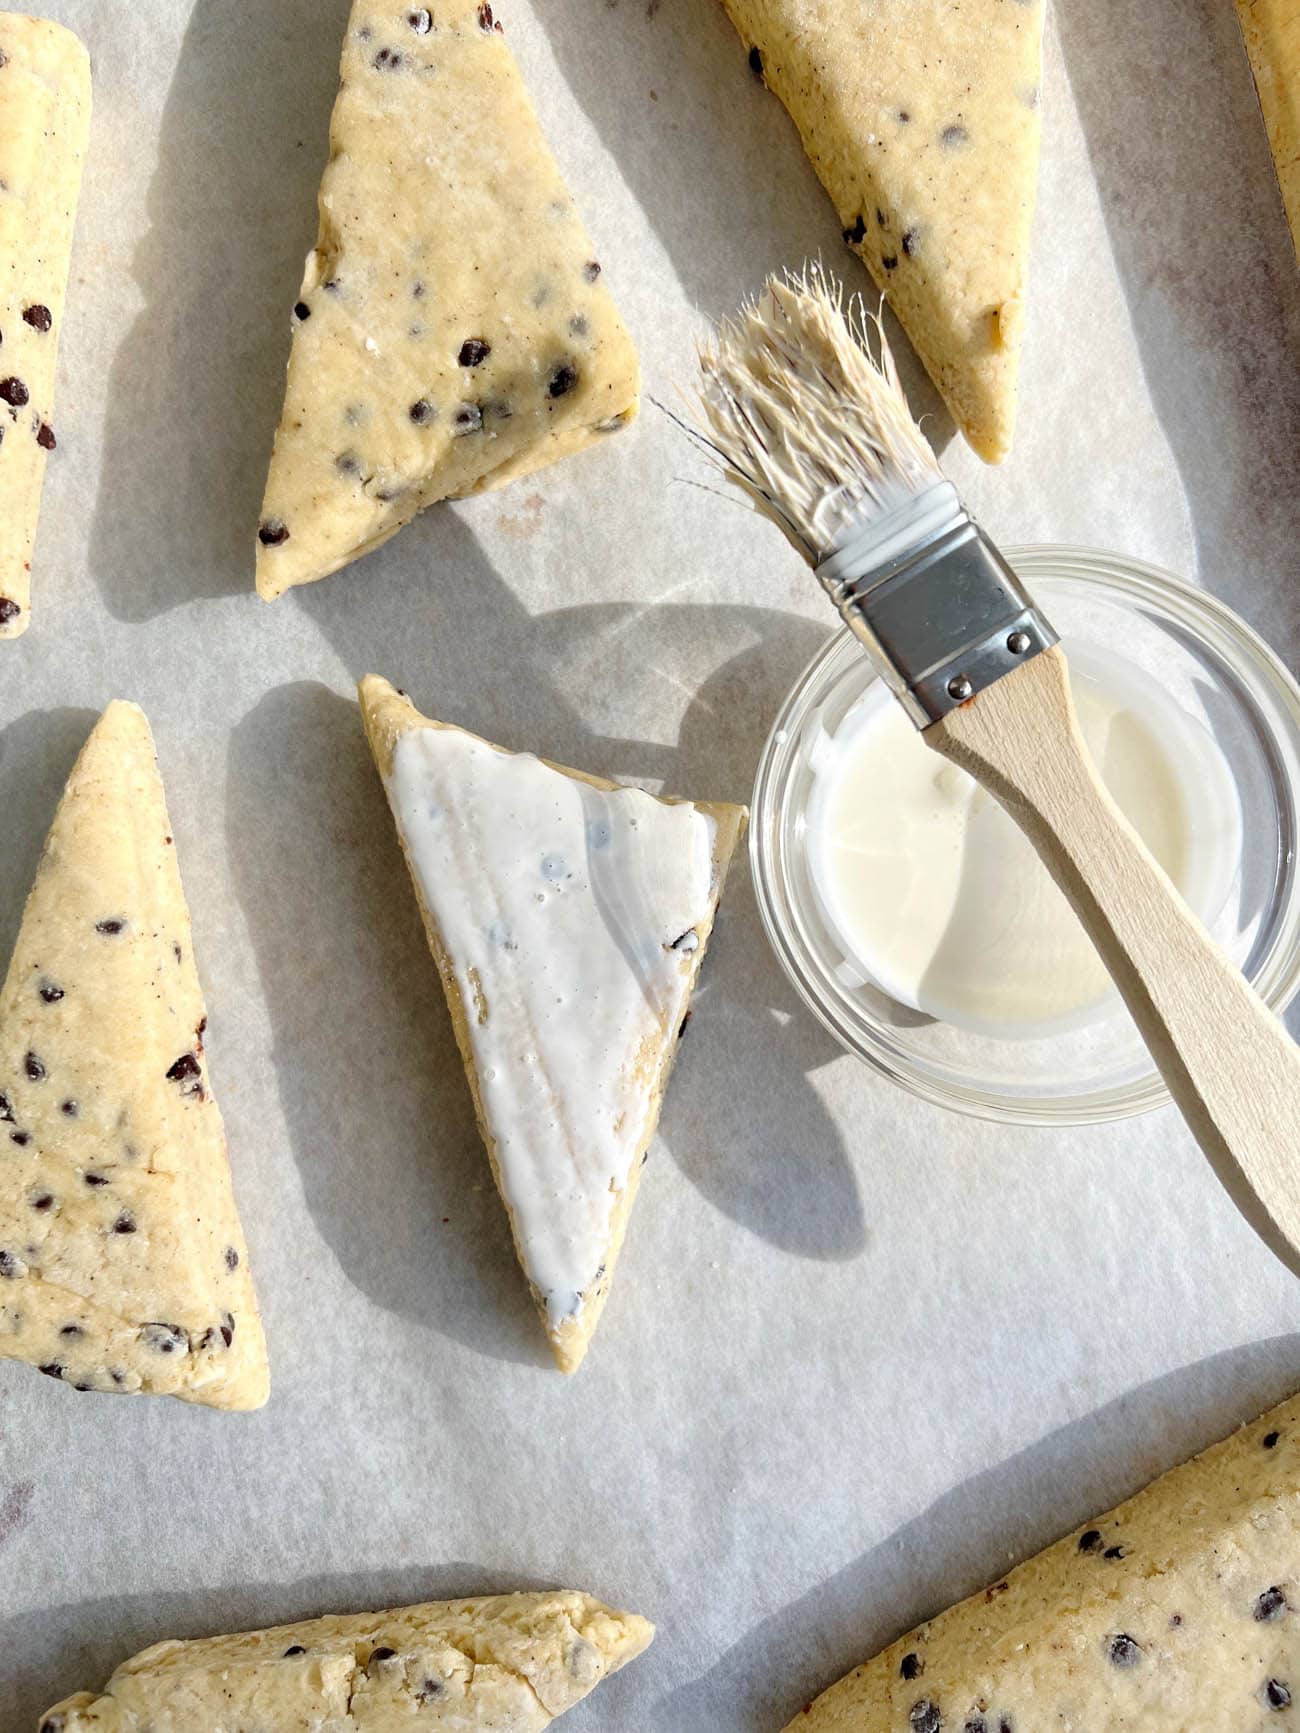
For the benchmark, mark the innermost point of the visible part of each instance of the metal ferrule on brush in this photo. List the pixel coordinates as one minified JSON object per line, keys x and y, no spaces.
{"x":939,"y":609}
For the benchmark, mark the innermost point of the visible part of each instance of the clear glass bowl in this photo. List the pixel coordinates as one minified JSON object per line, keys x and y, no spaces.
{"x":1218,"y":672}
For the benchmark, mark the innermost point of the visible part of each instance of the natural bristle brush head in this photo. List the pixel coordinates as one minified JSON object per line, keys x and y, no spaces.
{"x":813,"y":426}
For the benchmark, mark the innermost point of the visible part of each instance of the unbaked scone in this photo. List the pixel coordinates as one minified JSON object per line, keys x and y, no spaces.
{"x":452,"y":331}
{"x":921,"y":118}
{"x":503,"y":1664}
{"x":44,"y":130}
{"x":1177,"y":1613}
{"x":569,"y":918}
{"x":122,"y":1262}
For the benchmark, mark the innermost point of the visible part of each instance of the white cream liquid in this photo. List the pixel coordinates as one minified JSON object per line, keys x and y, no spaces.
{"x":937,"y":897}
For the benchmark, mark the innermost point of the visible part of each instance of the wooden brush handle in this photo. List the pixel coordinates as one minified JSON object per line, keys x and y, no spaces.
{"x":1230,"y":1065}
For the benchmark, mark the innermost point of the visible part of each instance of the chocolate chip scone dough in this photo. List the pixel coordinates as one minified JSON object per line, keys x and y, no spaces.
{"x":44,"y":129}
{"x":921,"y":118}
{"x":569,"y":918}
{"x":122,"y":1261}
{"x":1177,"y":1613}
{"x":503,"y":1664}
{"x":453,"y":330}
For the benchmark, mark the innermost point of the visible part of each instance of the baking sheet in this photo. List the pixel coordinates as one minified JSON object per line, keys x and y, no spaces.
{"x":860,"y":1353}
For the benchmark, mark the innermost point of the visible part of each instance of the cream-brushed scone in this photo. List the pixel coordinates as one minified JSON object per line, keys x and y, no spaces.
{"x":44,"y":130}
{"x":452,"y":331}
{"x":921,"y":118}
{"x":504,"y":1664}
{"x":569,"y":918}
{"x":122,"y":1261}
{"x":1177,"y":1613}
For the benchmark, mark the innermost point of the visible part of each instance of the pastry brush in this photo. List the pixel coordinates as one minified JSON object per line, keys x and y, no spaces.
{"x":819,"y":434}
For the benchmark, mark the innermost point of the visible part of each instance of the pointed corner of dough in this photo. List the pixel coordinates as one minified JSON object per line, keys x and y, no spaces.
{"x":386,"y":714}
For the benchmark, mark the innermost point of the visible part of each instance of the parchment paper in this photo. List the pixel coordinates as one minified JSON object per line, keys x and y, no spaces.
{"x":861,"y":1353}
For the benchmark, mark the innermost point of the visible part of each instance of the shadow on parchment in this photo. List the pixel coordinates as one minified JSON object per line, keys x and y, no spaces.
{"x":196,"y":387}
{"x":1206,"y":264}
{"x":58,"y":1651}
{"x":970,"y":1536}
{"x":345,"y":968}
{"x":37,"y":753}
{"x":712,"y":158}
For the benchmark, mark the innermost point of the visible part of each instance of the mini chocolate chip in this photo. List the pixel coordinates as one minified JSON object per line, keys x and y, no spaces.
{"x":69,"y":1108}
{"x":274,"y":533}
{"x":485,"y":19}
{"x":468,"y":418}
{"x":430,"y":1691}
{"x":110,"y":927}
{"x":232,"y":1258}
{"x":858,"y":233}
{"x":53,"y":1370}
{"x":421,"y":411}
{"x":44,"y":1202}
{"x":421,"y":22}
{"x":924,"y":1717}
{"x":578,"y":325}
{"x":904,"y":116}
{"x":8,"y":610}
{"x":1270,"y":1605}
{"x":293,"y":1649}
{"x":591,"y":270}
{"x":1123,"y":1651}
{"x":756,"y":61}
{"x":911,"y":241}
{"x":6,"y":1109}
{"x":380,"y":1655}
{"x":21,"y":1138}
{"x":388,"y":60}
{"x":473,"y":351}
{"x":1113,"y":1552}
{"x":890,"y":261}
{"x":83,"y":1387}
{"x":301,"y":310}
{"x":52,"y":1723}
{"x":684,"y":1024}
{"x":911,"y":1666}
{"x":333,"y":286}
{"x":1175,"y":1620}
{"x":347,"y":463}
{"x":1090,"y":1540}
{"x":14,"y":393}
{"x":50,"y":993}
{"x":164,"y":1338}
{"x":881,"y":219}
{"x":95,"y":1180}
{"x":11,"y":1267}
{"x":1270,"y":1439}
{"x":38,"y":317}
{"x":45,"y":437}
{"x":33,"y":1067}
{"x":954,"y":136}
{"x":563,"y":380}
{"x":72,"y":1330}
{"x":228,"y":1329}
{"x":125,"y":1223}
{"x":177,"y":952}
{"x":1276,"y":1694}
{"x":975,"y":1724}
{"x":186,"y":1066}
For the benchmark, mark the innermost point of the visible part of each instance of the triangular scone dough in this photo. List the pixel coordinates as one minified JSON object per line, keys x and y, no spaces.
{"x":122,"y":1262}
{"x":1176,"y":1612}
{"x":452,"y":332}
{"x":569,"y":918}
{"x":44,"y":129}
{"x":504,"y":1664}
{"x":921,"y":117}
